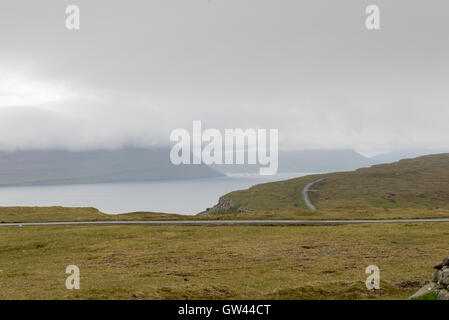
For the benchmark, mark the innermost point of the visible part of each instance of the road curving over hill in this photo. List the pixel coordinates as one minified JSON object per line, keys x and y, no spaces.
{"x":305,"y":193}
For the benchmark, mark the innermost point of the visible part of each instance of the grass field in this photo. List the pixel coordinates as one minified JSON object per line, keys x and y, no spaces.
{"x":46,"y":214}
{"x":55,"y":214}
{"x":177,"y":262}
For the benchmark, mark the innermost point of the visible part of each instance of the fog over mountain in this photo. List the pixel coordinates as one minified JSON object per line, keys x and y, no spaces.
{"x":50,"y":167}
{"x":137,"y":70}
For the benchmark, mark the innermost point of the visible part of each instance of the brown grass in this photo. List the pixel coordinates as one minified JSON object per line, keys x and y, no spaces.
{"x":137,"y":262}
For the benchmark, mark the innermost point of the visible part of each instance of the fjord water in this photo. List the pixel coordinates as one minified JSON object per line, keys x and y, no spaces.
{"x":188,"y":196}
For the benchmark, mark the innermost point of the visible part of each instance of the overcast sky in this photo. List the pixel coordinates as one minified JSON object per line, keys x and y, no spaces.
{"x":139,"y":69}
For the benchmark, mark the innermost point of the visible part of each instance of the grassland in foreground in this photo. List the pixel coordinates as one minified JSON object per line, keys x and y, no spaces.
{"x":178,"y":262}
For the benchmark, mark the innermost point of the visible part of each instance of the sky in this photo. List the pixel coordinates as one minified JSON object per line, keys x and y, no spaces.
{"x":136,"y":70}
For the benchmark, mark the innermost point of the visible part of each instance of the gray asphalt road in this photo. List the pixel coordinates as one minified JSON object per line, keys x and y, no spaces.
{"x":305,"y":194}
{"x":221,"y":222}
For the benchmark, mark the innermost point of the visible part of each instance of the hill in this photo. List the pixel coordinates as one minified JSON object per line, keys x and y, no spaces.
{"x":407,"y":184}
{"x":422,"y":182}
{"x":45,"y":167}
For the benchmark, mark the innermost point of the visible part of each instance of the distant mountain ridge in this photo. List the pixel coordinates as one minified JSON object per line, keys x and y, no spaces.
{"x":94,"y":166}
{"x":394,"y":156}
{"x":309,"y":161}
{"x":46,"y":167}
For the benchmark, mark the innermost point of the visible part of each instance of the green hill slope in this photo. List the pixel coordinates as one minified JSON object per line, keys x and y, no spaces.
{"x":412,"y":183}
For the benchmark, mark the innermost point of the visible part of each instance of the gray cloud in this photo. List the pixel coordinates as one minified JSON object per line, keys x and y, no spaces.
{"x":138,"y":69}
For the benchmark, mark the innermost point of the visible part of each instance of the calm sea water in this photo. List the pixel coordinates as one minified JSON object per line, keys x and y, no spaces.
{"x":180,"y":196}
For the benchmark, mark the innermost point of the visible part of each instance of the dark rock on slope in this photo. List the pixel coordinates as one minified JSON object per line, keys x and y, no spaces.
{"x":439,"y":286}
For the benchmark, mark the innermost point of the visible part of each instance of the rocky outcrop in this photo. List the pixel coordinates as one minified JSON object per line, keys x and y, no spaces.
{"x":224,"y":206}
{"x":439,"y":286}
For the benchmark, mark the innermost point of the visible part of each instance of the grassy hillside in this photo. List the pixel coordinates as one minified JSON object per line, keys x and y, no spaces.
{"x":176,"y":262}
{"x":285,"y":195}
{"x":411,"y":183}
{"x":421,"y":183}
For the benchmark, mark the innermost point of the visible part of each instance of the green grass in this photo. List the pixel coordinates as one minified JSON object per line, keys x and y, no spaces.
{"x":284,"y":195}
{"x":428,"y":296}
{"x":178,"y":262}
{"x":412,"y":183}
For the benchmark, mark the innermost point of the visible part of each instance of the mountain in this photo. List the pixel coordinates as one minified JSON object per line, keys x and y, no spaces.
{"x":312,"y":161}
{"x":322,"y":160}
{"x":402,"y":154}
{"x":420,"y":183}
{"x":94,"y":166}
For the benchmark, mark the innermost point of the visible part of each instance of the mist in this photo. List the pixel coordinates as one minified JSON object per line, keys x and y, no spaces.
{"x":136,"y":71}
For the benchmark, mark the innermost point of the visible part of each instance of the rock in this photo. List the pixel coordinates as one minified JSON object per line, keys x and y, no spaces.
{"x":446,"y":261}
{"x":443,"y":295}
{"x":436,"y":276}
{"x":225,"y":206}
{"x":439,"y":284}
{"x":424,"y":290}
{"x":444,"y":279}
{"x":442,"y":264}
